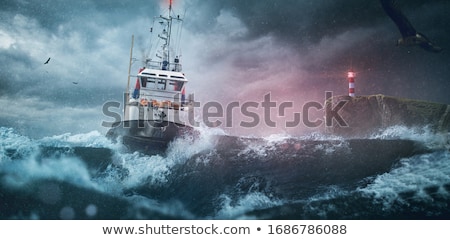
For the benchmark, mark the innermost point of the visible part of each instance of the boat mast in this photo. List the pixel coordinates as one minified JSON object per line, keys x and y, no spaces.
{"x":127,"y":91}
{"x":169,"y":30}
{"x":166,"y":36}
{"x":129,"y":67}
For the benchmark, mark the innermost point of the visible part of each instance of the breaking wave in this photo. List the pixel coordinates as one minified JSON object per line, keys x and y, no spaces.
{"x":401,"y":173}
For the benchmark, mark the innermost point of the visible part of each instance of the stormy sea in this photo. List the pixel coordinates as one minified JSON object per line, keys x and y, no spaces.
{"x":400,"y":173}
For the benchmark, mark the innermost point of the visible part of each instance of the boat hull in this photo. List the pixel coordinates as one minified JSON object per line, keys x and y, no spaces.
{"x":149,"y":137}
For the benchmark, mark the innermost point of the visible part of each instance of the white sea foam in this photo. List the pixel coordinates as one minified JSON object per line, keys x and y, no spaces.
{"x":21,"y":163}
{"x":90,"y":139}
{"x":136,"y":168}
{"x":425,"y":135}
{"x":412,"y":175}
{"x":155,"y":169}
{"x":13,"y":145}
{"x":245,"y":203}
{"x":19,"y":173}
{"x":29,"y":164}
{"x":186,"y":146}
{"x":143,"y":206}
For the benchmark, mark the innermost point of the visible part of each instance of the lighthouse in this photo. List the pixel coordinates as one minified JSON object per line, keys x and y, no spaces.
{"x":351,"y":83}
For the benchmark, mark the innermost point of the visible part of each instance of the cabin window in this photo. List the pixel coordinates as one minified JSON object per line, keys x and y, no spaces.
{"x":153,"y":83}
{"x":144,"y":81}
{"x":161,"y":84}
{"x":176,"y":85}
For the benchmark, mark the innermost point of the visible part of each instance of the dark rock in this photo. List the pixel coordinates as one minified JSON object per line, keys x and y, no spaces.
{"x":366,"y":115}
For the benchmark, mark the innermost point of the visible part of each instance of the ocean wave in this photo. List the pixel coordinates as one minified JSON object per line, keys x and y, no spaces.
{"x":425,"y":135}
{"x":215,"y":175}
{"x":412,"y":175}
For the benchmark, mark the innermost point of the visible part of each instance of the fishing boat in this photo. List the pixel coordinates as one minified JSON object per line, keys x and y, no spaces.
{"x":157,"y":111}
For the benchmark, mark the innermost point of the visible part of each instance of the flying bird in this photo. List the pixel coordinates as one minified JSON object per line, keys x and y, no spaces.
{"x":75,"y":83}
{"x":410,"y":37}
{"x":48,"y":60}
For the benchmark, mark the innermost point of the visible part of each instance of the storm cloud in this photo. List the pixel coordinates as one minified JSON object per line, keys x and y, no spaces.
{"x":232,"y":51}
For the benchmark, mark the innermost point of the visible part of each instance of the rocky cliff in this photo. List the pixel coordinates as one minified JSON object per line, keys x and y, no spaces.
{"x":365,"y":115}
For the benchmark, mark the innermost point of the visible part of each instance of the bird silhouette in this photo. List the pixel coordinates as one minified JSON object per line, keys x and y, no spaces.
{"x":48,"y":60}
{"x":410,"y":37}
{"x":75,"y":83}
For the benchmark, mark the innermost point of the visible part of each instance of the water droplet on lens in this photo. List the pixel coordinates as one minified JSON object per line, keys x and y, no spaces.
{"x":67,"y":213}
{"x":91,"y":210}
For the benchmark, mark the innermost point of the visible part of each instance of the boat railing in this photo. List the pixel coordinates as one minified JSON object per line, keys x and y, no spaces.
{"x":175,"y":67}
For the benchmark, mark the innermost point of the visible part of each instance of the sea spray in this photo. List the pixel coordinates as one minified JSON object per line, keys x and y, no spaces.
{"x":214,"y":175}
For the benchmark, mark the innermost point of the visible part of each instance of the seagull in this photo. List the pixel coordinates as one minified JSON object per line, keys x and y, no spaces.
{"x":48,"y":60}
{"x":410,"y":37}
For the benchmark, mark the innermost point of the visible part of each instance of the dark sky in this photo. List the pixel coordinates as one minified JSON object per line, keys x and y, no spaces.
{"x":232,"y":51}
